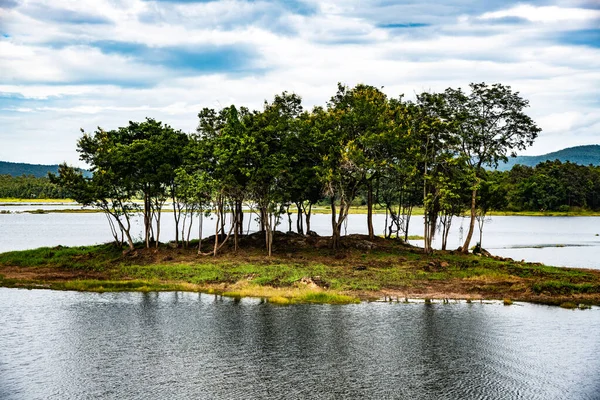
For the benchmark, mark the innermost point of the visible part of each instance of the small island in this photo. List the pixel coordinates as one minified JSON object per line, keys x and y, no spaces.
{"x":436,"y":156}
{"x":302,"y":269}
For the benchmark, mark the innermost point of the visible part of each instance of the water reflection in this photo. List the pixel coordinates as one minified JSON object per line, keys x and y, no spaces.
{"x":185,"y":345}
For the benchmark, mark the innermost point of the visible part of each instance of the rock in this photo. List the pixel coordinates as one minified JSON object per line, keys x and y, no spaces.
{"x":486,"y":253}
{"x":319,"y":282}
{"x":322,"y":244}
{"x":364,"y":245}
{"x":308,"y":282}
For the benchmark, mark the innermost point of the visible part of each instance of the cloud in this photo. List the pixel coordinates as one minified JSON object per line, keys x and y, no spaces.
{"x":295,"y":6}
{"x":544,"y":14}
{"x":584,"y":37}
{"x":403,"y":25}
{"x":62,"y":15}
{"x":168,"y":59}
{"x":6,"y":4}
{"x":185,"y":59}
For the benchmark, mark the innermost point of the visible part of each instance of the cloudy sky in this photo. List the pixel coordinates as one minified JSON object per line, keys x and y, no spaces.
{"x":71,"y":64}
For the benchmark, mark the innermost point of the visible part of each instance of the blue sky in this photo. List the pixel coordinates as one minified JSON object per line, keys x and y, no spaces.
{"x":67,"y":64}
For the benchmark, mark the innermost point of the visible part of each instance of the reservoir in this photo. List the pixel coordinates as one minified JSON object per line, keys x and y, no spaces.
{"x":70,"y":345}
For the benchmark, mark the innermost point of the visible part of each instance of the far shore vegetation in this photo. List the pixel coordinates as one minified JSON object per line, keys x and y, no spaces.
{"x":325,"y":209}
{"x":302,"y":269}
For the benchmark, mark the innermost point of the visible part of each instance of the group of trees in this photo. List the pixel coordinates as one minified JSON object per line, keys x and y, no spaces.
{"x":549,"y":186}
{"x":29,"y":187}
{"x":431,"y":152}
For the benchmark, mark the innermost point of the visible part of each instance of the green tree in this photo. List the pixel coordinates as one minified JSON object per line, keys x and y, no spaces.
{"x":272,"y":132}
{"x":490,"y":124}
{"x":107,"y":190}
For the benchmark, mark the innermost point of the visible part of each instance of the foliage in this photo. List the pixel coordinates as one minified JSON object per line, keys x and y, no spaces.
{"x":30,"y":187}
{"x":363,"y":147}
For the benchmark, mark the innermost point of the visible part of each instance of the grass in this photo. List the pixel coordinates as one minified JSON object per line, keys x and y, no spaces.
{"x":34,"y":201}
{"x":77,"y":258}
{"x":300,"y":274}
{"x":415,"y":237}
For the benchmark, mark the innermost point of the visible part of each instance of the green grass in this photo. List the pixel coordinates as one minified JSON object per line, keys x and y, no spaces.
{"x":329,"y":298}
{"x":35,"y":201}
{"x":250,"y":273}
{"x":564,"y":288}
{"x":82,"y":257}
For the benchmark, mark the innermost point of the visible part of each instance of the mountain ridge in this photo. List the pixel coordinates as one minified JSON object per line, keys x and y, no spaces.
{"x":19,"y":169}
{"x":582,"y":155}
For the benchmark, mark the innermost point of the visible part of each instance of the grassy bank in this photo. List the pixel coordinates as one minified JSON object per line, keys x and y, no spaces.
{"x":12,"y":200}
{"x":302,"y":270}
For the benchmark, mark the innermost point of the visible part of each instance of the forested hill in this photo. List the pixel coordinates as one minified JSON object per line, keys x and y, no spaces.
{"x":19,"y":169}
{"x":582,"y":155}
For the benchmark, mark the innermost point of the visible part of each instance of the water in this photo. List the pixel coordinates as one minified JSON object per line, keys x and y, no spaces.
{"x":69,"y":345}
{"x":561,"y":241}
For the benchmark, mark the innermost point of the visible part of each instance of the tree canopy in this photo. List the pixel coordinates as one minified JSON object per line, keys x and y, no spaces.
{"x":362,"y":146}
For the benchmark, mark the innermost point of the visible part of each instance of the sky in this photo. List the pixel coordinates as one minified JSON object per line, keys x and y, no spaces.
{"x":72,"y":64}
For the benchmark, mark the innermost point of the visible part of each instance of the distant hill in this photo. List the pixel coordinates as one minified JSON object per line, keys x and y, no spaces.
{"x":582,"y":155}
{"x":18,"y":169}
{"x":37,"y":170}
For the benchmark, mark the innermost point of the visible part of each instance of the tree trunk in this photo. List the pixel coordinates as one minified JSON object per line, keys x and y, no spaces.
{"x":266,"y":223}
{"x":147,"y":220}
{"x":307,"y":215}
{"x":425,"y":225}
{"x":158,"y":227}
{"x":299,"y":222}
{"x":240,"y":214}
{"x":465,"y":246}
{"x":385,"y":226}
{"x":200,"y":230}
{"x":235,"y":219}
{"x":262,"y":219}
{"x":189,"y":232}
{"x":370,"y":209}
{"x":217,"y":226}
{"x":446,"y":231}
{"x":432,"y":223}
{"x":335,"y":227}
{"x":270,"y":235}
{"x":126,"y":230}
{"x":176,"y":216}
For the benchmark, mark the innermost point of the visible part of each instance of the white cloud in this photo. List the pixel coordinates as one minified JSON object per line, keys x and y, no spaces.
{"x":544,"y":13}
{"x":54,"y":81}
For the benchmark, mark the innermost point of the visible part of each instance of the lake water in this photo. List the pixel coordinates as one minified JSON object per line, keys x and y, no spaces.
{"x":561,"y":241}
{"x":69,"y":345}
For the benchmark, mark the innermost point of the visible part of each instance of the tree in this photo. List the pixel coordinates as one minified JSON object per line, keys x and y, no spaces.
{"x":105,"y":189}
{"x":436,"y":157}
{"x":272,"y":133}
{"x":490,"y":125}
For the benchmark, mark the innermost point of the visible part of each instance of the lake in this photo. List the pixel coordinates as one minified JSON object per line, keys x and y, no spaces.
{"x":561,"y":241}
{"x":70,"y":345}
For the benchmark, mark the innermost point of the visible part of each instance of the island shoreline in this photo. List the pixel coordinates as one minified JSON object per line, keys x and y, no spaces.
{"x":302,"y":270}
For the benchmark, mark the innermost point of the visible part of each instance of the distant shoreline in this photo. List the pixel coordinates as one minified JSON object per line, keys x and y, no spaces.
{"x":355,"y":210}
